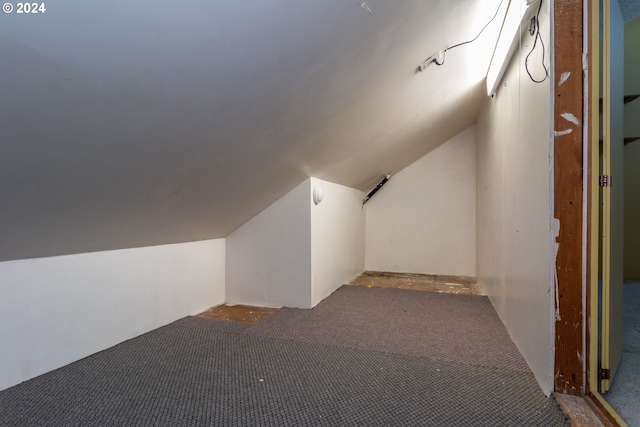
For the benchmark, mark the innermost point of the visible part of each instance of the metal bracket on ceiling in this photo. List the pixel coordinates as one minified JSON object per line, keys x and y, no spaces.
{"x":377,"y":187}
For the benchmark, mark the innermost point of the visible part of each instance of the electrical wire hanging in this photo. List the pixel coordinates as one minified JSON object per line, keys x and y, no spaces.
{"x":434,"y":59}
{"x":534,"y":28}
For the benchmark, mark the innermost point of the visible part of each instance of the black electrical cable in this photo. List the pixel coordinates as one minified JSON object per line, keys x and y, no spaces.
{"x":473,"y":39}
{"x":535,"y":21}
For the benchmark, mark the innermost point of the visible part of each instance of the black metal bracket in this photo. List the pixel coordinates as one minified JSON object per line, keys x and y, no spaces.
{"x":375,"y":190}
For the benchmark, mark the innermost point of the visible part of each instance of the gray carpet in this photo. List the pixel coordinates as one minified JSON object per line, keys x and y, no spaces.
{"x":459,"y":328}
{"x":624,"y":395}
{"x":207,"y":372}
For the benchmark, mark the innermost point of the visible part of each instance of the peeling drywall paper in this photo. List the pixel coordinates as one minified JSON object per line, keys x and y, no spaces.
{"x":563,"y":132}
{"x":570,"y":118}
{"x":564,"y":77}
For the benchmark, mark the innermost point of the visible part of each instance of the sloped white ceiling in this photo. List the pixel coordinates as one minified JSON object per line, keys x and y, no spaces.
{"x":126,"y":124}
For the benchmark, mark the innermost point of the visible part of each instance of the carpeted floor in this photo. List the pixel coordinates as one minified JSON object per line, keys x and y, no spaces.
{"x":624,"y":395}
{"x":363,"y":357}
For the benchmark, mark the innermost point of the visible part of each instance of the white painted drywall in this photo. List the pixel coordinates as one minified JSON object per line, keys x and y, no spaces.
{"x":337,"y":238}
{"x":54,"y":311}
{"x":269,"y":257}
{"x":424,"y":220}
{"x":514,"y":211}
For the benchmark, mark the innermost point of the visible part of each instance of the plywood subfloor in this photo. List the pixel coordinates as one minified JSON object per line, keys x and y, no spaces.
{"x":239,"y":313}
{"x":421,"y":282}
{"x":462,"y":285}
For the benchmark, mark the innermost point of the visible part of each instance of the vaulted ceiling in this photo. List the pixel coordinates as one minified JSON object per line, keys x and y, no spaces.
{"x":128,"y":124}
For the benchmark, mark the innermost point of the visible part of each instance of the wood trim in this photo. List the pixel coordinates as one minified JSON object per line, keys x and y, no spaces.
{"x":593,"y":236}
{"x":568,"y":191}
{"x":596,"y":403}
{"x":605,"y":202}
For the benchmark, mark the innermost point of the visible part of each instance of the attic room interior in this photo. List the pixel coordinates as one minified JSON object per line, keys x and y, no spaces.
{"x":158,"y":160}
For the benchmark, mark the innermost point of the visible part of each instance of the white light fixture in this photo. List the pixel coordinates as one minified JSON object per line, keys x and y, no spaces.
{"x":318,"y":194}
{"x":518,"y":12}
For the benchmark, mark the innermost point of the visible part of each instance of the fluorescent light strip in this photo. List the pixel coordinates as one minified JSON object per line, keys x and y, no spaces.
{"x":518,"y":12}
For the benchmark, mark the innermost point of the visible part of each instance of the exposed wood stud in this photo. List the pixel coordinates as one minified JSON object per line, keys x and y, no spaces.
{"x":568,"y":156}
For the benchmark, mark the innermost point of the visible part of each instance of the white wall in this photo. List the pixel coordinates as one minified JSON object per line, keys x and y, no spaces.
{"x":337,"y":238}
{"x":514,"y":210}
{"x":424,"y":219}
{"x":54,"y":311}
{"x":294,"y":253}
{"x":269,"y":257}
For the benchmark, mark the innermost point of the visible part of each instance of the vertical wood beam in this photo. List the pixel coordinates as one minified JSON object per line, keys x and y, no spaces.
{"x":568,"y":192}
